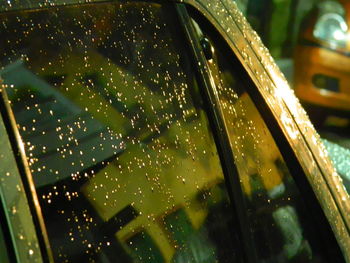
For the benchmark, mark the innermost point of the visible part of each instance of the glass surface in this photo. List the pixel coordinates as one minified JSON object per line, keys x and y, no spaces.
{"x":331,"y":27}
{"x":12,"y":5}
{"x":14,"y":200}
{"x":277,"y":219}
{"x":118,"y":143}
{"x":4,"y":258}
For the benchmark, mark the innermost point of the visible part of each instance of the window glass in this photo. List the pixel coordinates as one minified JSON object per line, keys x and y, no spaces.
{"x":277,"y":219}
{"x":11,"y":5}
{"x":118,"y":144}
{"x":3,"y":249}
{"x":17,"y":215}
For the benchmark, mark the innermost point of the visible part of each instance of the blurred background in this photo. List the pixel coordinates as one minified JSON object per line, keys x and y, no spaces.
{"x":278,"y":24}
{"x":310,"y":42}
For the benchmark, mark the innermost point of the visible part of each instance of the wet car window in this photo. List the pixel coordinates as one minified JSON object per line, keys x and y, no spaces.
{"x":3,"y":249}
{"x":118,"y":143}
{"x":277,"y":219}
{"x":16,"y":220}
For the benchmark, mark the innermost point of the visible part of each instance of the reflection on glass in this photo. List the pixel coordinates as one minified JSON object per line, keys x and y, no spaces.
{"x":276,"y":215}
{"x":3,"y":249}
{"x":12,"y":196}
{"x":124,"y":164}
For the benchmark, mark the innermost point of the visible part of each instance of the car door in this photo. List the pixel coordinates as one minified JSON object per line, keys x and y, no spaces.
{"x":144,"y":138}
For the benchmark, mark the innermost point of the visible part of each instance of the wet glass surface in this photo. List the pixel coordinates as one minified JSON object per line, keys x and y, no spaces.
{"x":276,"y":214}
{"x":3,"y":249}
{"x":20,"y":223}
{"x":118,"y":143}
{"x":12,"y":5}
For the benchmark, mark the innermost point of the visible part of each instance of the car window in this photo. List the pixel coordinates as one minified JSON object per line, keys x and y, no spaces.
{"x":3,"y":249}
{"x":119,"y":146}
{"x":16,"y":224}
{"x":278,"y":221}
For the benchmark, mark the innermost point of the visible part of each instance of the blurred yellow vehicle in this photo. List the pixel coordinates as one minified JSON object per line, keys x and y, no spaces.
{"x":322,"y":60}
